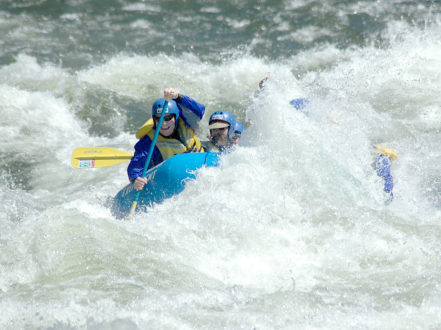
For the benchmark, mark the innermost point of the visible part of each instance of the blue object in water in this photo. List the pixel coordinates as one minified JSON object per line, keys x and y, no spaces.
{"x":164,"y":181}
{"x":382,"y":166}
{"x":300,"y":104}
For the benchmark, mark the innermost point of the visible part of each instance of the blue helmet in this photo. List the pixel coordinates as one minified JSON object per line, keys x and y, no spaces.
{"x":172,"y":108}
{"x":225,"y":116}
{"x":238,"y":127}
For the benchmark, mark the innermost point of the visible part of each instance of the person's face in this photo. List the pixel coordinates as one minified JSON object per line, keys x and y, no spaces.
{"x":168,"y":124}
{"x":219,"y":136}
{"x":235,"y":139}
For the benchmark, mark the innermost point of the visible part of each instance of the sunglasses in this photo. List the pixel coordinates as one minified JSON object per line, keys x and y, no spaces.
{"x":166,"y":118}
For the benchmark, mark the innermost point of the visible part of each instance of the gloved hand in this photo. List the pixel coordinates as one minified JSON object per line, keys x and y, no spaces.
{"x":170,"y":93}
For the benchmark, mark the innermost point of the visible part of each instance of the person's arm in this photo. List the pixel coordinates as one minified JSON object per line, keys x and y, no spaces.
{"x":191,"y":111}
{"x":137,"y":163}
{"x":189,"y":104}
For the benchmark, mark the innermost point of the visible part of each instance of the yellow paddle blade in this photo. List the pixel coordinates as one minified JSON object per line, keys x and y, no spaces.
{"x":385,"y":151}
{"x":98,"y":157}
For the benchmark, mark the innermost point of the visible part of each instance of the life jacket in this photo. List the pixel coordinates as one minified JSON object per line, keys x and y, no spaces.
{"x":210,"y":146}
{"x":169,"y":147}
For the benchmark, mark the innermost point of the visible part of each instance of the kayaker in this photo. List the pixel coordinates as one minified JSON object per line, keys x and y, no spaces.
{"x":221,"y":126}
{"x":176,"y":135}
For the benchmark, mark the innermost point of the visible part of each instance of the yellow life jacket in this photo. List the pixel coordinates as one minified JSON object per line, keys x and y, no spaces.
{"x":169,"y":147}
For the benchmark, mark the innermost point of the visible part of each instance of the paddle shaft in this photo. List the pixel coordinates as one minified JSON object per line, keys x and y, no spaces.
{"x":149,"y":157}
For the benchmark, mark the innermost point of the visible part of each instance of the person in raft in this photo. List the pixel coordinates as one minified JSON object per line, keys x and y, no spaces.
{"x":383,"y":156}
{"x":237,"y":133}
{"x":222,"y":132}
{"x":176,"y":135}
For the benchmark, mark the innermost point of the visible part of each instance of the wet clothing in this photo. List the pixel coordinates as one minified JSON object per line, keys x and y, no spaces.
{"x":210,"y":146}
{"x":182,"y":140}
{"x":382,"y":166}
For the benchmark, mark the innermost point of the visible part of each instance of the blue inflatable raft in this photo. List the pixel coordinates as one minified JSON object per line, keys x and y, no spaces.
{"x":164,"y":181}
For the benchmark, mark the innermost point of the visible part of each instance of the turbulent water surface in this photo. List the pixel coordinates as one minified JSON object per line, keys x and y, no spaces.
{"x":292,"y":231}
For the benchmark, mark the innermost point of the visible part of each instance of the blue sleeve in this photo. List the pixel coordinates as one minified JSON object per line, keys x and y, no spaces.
{"x":137,"y":163}
{"x":191,"y":110}
{"x":382,"y":166}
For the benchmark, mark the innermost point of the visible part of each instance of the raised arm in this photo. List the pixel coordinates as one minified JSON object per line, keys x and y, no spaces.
{"x":191,"y":110}
{"x":137,"y":162}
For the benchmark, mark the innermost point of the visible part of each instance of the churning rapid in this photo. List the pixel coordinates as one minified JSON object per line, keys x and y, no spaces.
{"x":292,"y":231}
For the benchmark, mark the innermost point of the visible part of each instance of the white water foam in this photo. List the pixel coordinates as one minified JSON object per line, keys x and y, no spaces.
{"x":291,"y":229}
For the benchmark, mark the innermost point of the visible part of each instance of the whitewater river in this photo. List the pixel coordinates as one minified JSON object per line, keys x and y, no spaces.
{"x":292,"y":231}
